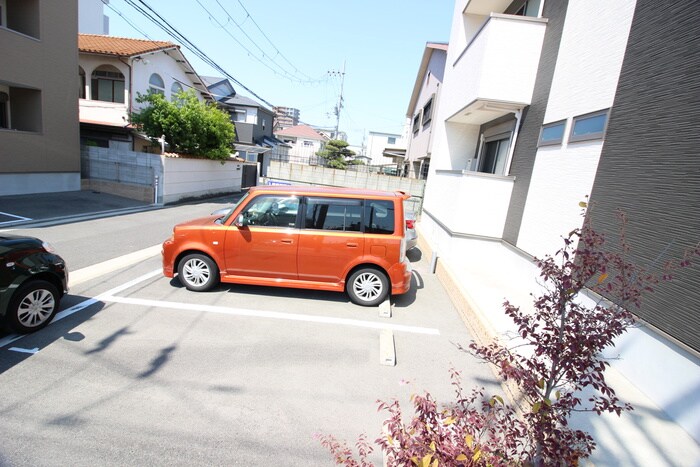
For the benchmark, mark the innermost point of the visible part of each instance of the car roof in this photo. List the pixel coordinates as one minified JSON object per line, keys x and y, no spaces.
{"x":326,"y":191}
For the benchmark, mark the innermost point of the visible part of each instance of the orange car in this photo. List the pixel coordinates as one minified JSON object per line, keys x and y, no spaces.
{"x":336,"y":239}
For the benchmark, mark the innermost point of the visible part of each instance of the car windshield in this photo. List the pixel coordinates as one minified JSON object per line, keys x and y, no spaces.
{"x":225,"y":217}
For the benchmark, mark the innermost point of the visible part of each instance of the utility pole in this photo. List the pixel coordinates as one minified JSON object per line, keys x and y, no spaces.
{"x":340,"y":98}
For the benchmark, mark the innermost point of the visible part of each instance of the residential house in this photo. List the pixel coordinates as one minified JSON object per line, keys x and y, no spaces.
{"x":422,"y":107}
{"x":544,"y":103}
{"x":39,"y":142}
{"x":285,"y":117}
{"x":305,"y":142}
{"x":378,"y":142}
{"x":254,"y":138}
{"x":114,"y":71}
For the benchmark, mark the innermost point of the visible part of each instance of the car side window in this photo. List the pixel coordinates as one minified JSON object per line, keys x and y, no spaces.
{"x":271,"y":211}
{"x":338,"y":214}
{"x":379,"y":216}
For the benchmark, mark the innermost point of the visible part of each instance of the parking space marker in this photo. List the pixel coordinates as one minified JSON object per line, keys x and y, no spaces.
{"x":271,"y":315}
{"x":385,"y":309}
{"x":387,"y":349}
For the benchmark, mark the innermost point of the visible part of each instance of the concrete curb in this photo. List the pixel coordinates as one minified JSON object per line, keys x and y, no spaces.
{"x":48,"y":222}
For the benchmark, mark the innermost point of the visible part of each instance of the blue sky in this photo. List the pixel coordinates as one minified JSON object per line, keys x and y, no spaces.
{"x":285,"y":50}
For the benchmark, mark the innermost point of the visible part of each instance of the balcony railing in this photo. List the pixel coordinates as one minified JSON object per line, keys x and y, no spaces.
{"x":482,"y":204}
{"x":497,"y":68}
{"x":105,"y":113}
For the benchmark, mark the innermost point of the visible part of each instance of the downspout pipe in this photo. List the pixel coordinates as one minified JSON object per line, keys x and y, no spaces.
{"x":514,"y":139}
{"x":128,"y":104}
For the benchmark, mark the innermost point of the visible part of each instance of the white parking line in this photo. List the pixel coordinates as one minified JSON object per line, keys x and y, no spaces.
{"x":105,"y":267}
{"x":86,"y":303}
{"x":271,"y":315}
{"x":15,"y":216}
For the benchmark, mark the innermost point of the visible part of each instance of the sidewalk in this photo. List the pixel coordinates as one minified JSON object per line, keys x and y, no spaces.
{"x":38,"y":208}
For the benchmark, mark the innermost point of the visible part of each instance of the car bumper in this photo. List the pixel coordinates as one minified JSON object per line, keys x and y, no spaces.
{"x":167,"y":259}
{"x":401,"y":275}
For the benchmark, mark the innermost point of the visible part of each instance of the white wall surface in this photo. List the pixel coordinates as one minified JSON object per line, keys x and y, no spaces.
{"x":590,"y":57}
{"x":188,"y":178}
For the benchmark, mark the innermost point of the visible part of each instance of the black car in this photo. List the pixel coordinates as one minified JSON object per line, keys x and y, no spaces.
{"x":33,"y":279}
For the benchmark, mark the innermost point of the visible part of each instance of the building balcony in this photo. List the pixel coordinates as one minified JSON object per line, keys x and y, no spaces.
{"x":103,"y":113}
{"x":470,"y":203}
{"x":495,"y":73}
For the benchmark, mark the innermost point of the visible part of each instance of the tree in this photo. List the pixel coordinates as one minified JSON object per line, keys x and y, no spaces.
{"x":557,"y":355}
{"x":337,"y":154}
{"x":189,"y":125}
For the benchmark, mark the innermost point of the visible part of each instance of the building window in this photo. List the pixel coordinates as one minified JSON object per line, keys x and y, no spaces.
{"x":156,"y":84}
{"x":416,"y":122}
{"x":107,"y":85}
{"x":20,"y":108}
{"x":589,"y":126}
{"x":21,"y":16}
{"x":239,"y":115}
{"x":391,"y":140}
{"x":308,"y":143}
{"x":552,"y":133}
{"x":175,"y":89}
{"x":493,"y":156}
{"x":81,"y":79}
{"x":428,"y":112}
{"x":264,"y":123}
{"x":4,"y":121}
{"x":424,"y":169}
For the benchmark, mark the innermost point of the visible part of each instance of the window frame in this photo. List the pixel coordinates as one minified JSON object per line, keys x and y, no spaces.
{"x":546,"y":126}
{"x":598,"y":135}
{"x":173,"y":92}
{"x":155,"y":87}
{"x":428,"y":114}
{"x":417,"y":121}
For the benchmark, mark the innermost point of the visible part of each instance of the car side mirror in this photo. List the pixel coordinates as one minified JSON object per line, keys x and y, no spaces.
{"x":240,"y":221}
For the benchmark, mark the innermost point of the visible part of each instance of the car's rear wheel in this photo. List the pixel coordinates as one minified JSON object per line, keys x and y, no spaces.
{"x":198,"y":272}
{"x":33,"y":306}
{"x":368,"y":287}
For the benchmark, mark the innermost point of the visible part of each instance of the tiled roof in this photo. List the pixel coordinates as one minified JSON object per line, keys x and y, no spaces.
{"x":301,"y":131}
{"x":121,"y":46}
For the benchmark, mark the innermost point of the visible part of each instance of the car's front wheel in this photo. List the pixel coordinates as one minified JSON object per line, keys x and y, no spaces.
{"x":33,"y":306}
{"x":368,"y":287}
{"x":198,"y":272}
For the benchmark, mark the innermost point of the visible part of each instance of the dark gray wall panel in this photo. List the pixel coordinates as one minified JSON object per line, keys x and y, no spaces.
{"x":650,"y":163}
{"x":526,"y":145}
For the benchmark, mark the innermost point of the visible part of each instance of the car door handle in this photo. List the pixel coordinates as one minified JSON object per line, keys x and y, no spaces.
{"x":352,"y":245}
{"x":287,"y":241}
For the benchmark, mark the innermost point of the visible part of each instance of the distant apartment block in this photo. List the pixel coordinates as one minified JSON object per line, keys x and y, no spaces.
{"x":285,"y":117}
{"x":39,"y":142}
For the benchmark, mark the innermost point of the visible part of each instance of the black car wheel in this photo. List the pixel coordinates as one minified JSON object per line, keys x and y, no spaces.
{"x":198,"y":272}
{"x":33,"y":306}
{"x":368,"y":287}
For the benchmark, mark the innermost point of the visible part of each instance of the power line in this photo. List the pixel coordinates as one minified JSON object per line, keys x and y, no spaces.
{"x":163,"y":24}
{"x":266,"y":37}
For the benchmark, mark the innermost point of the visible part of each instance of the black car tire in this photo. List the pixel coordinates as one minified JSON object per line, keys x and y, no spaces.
{"x":198,"y":272}
{"x":368,"y":287}
{"x":33,"y":306}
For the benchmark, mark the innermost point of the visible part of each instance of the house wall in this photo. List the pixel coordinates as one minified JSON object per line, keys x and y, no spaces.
{"x":376,"y":143}
{"x":591,"y":51}
{"x":44,"y":66}
{"x":650,"y":169}
{"x":166,"y":67}
{"x":598,"y":55}
{"x":420,"y":140}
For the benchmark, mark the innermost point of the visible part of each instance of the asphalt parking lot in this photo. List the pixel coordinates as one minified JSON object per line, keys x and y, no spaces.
{"x":147,"y":372}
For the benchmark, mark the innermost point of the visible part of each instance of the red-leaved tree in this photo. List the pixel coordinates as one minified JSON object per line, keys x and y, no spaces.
{"x":558,"y":354}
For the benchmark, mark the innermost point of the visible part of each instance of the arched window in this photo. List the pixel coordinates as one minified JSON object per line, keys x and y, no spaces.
{"x":81,"y":80}
{"x":107,"y":84}
{"x":156,"y":84}
{"x":174,"y":90}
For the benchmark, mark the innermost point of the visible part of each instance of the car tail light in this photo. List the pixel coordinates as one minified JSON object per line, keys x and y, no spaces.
{"x":410,"y":224}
